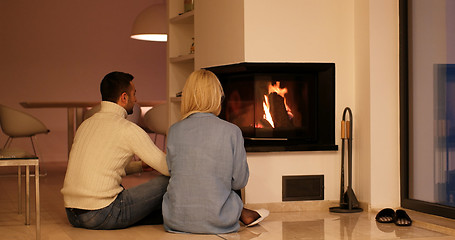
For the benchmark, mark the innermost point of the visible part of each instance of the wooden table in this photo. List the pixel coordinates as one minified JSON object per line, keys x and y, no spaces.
{"x":75,"y":112}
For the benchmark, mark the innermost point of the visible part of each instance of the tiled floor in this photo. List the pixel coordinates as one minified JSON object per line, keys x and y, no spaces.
{"x":315,"y":224}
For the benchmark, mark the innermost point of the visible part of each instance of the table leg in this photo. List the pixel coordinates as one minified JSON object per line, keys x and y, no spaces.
{"x":70,"y":128}
{"x":75,"y":118}
{"x":79,"y":116}
{"x":37,"y":204}
{"x":27,"y":195}
{"x":19,"y":189}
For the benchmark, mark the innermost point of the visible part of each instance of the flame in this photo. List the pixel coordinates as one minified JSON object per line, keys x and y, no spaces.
{"x":267,"y":116}
{"x":266,"y":106}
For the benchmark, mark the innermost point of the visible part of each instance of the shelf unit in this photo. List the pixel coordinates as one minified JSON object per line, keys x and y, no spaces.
{"x":180,"y":60}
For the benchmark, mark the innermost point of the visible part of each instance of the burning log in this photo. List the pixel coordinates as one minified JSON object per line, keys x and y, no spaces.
{"x":263,"y":123}
{"x":278,"y":111}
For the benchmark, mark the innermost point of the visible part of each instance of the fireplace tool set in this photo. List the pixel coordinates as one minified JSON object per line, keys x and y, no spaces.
{"x":348,"y":200}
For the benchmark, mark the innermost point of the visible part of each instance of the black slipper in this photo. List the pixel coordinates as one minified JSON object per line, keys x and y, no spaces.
{"x":386,"y":215}
{"x":402,"y":218}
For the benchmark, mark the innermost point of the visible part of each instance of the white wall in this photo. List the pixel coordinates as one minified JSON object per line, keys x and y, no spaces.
{"x":54,"y":50}
{"x":362,"y":104}
{"x":219,"y":33}
{"x":284,"y":31}
{"x":361,"y":38}
{"x":384,"y":104}
{"x":300,"y":31}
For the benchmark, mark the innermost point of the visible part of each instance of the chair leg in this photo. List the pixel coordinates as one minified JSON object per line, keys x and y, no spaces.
{"x":37,"y":152}
{"x":33,"y":145}
{"x":8,"y":142}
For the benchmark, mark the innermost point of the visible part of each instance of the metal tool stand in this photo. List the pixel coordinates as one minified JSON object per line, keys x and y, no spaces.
{"x":348,"y":200}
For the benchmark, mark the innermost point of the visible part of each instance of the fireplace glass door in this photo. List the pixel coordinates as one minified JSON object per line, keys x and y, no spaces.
{"x":279,"y":106}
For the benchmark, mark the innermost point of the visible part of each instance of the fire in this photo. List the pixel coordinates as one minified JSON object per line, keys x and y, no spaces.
{"x":267,"y":115}
{"x":275,"y":88}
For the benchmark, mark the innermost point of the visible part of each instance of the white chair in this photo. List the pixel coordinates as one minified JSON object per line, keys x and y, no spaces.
{"x":137,"y":114}
{"x":156,"y":120}
{"x":18,"y":124}
{"x":19,"y":158}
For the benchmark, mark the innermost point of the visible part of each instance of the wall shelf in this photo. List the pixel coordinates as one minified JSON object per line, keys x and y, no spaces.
{"x":187,"y":17}
{"x":182,"y":58}
{"x":176,"y":99}
{"x":180,"y":61}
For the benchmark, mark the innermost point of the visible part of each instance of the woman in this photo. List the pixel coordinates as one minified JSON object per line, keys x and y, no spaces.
{"x":207,"y":163}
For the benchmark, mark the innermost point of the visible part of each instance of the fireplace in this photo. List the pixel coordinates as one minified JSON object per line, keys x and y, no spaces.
{"x":280,"y":106}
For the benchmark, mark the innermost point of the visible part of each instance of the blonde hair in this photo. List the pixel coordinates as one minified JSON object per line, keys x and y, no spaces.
{"x":202,"y":93}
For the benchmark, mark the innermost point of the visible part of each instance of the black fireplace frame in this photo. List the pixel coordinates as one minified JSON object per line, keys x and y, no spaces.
{"x":325,"y":109}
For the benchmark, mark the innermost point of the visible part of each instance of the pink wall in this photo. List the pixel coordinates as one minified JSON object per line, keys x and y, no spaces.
{"x":53,"y":50}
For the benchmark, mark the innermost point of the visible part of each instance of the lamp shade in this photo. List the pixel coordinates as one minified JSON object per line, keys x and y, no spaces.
{"x":151,"y":24}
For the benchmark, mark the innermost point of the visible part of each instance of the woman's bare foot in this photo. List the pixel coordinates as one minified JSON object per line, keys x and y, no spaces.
{"x":248,"y":216}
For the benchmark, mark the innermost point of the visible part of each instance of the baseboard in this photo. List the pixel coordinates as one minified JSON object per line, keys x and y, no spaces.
{"x":299,"y":206}
{"x":293,"y":206}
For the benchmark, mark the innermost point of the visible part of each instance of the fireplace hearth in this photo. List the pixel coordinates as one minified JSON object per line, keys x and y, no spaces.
{"x":281,"y":106}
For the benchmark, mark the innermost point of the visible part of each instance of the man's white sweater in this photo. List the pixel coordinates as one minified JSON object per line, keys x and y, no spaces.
{"x":103,"y":146}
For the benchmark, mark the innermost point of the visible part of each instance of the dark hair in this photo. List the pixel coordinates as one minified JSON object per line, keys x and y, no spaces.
{"x":114,"y":84}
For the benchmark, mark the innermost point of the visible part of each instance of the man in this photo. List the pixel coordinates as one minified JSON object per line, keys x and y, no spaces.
{"x":103,"y":148}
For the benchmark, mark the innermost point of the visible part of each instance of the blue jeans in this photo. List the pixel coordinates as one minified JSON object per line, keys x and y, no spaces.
{"x":137,"y":205}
